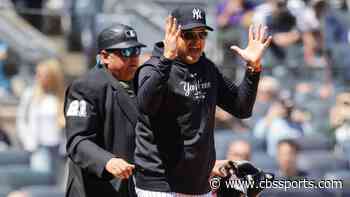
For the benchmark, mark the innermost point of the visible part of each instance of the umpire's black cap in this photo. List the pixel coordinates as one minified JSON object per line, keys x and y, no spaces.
{"x":190,"y":17}
{"x":118,"y":36}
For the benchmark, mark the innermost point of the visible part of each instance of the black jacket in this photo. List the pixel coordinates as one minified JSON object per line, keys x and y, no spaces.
{"x":100,"y":122}
{"x":174,"y":133}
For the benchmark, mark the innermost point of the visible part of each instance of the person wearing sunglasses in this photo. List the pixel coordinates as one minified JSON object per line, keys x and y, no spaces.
{"x":178,"y":89}
{"x":101,"y":113}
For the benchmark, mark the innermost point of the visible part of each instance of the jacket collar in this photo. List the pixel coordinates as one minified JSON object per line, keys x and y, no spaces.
{"x":125,"y":102}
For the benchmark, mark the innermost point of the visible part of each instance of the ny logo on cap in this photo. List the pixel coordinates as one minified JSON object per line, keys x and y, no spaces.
{"x":130,"y":33}
{"x":196,"y":13}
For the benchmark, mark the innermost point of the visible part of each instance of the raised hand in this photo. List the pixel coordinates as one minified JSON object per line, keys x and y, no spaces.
{"x":257,"y":44}
{"x":172,"y":33}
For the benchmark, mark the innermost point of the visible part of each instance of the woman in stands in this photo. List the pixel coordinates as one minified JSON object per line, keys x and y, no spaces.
{"x":40,"y":116}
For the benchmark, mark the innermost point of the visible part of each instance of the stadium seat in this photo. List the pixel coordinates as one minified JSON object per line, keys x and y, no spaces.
{"x":265,"y":162}
{"x":258,"y":145}
{"x":5,"y":190}
{"x":346,"y":192}
{"x":314,"y":143}
{"x":271,"y":193}
{"x":320,"y":161}
{"x":300,"y":192}
{"x":341,"y":59}
{"x":18,"y":176}
{"x":338,"y":175}
{"x":14,"y":157}
{"x":222,"y":140}
{"x":340,"y":192}
{"x":345,"y":148}
{"x":344,"y":176}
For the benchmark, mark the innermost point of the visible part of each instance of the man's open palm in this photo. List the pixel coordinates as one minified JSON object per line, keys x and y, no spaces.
{"x":258,"y":42}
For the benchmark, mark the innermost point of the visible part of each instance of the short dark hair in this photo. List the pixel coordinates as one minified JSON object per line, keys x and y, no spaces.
{"x":290,"y":142}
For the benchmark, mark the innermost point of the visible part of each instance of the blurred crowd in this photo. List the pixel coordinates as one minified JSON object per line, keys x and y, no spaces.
{"x":300,"y":122}
{"x":300,"y":127}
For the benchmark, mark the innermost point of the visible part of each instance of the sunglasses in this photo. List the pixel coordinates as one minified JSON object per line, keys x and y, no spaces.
{"x":193,"y":35}
{"x":126,"y":52}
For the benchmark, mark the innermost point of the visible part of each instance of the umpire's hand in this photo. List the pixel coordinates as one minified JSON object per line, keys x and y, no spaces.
{"x":119,"y":168}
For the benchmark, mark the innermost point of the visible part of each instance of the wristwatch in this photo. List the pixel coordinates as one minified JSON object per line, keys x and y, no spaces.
{"x":253,"y":69}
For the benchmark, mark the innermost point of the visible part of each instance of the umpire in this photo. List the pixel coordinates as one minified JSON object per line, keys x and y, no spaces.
{"x":101,"y":115}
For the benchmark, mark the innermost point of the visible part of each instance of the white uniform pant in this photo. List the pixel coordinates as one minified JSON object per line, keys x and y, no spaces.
{"x":147,"y":193}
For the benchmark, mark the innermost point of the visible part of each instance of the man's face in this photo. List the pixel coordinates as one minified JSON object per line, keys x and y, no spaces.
{"x":287,"y":157}
{"x":122,"y":63}
{"x":239,"y":150}
{"x":191,"y":44}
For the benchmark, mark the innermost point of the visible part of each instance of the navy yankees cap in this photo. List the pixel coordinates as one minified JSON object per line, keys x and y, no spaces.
{"x":190,"y":17}
{"x":118,"y":36}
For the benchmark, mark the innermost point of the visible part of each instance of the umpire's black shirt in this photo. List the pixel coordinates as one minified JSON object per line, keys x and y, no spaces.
{"x":174,"y":133}
{"x":100,"y":122}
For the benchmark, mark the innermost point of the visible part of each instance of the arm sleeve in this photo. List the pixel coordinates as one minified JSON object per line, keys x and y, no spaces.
{"x":152,"y":84}
{"x":238,"y":100}
{"x":82,"y":126}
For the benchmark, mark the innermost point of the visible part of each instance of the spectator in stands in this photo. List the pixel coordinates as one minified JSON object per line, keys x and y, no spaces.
{"x":262,"y":11}
{"x":144,"y":57}
{"x":317,"y":100}
{"x":278,"y":124}
{"x":287,"y":151}
{"x":5,"y":142}
{"x":268,"y":91}
{"x":283,"y":26}
{"x":342,"y":134}
{"x":313,"y":38}
{"x":239,"y":150}
{"x":232,"y":16}
{"x":336,"y":37}
{"x":340,"y":117}
{"x":4,"y":81}
{"x":337,"y":24}
{"x":40,"y":117}
{"x":31,"y":11}
{"x":338,"y":111}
